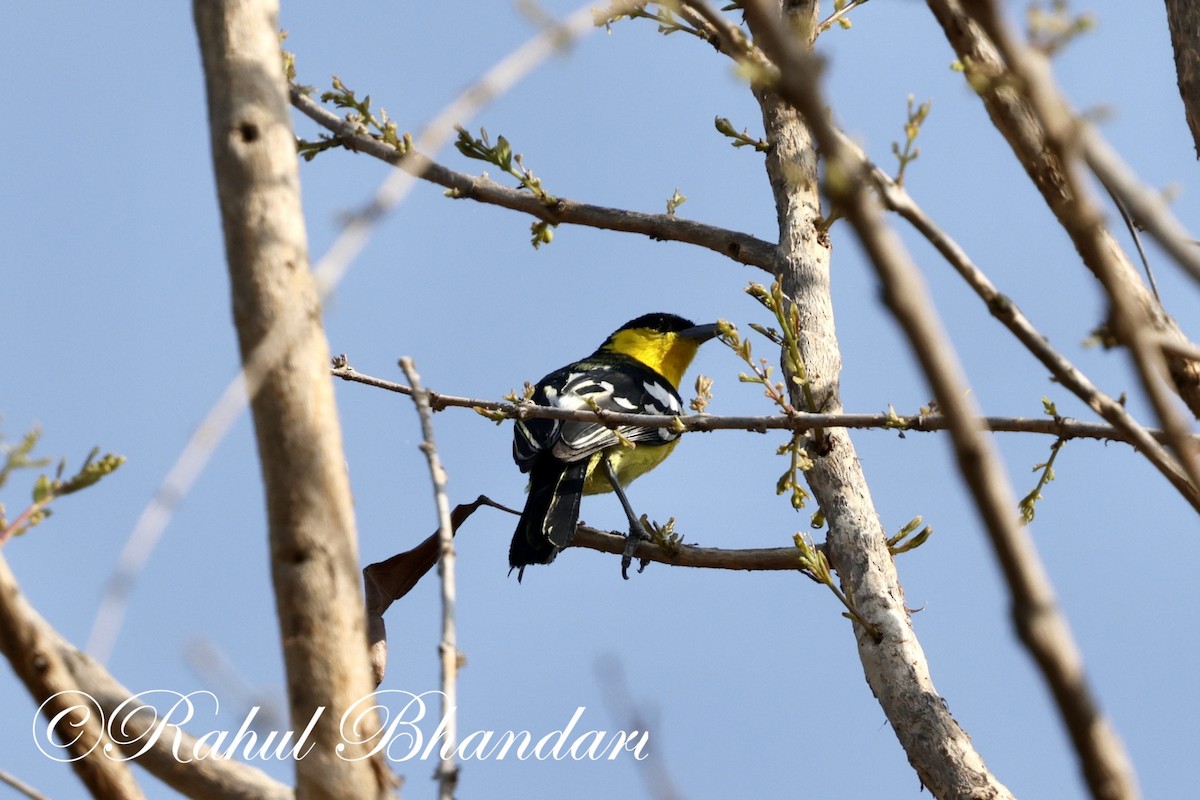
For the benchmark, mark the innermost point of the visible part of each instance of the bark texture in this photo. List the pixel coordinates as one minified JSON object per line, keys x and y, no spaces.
{"x":893,"y":661}
{"x":276,"y":309}
{"x":1183,"y":19}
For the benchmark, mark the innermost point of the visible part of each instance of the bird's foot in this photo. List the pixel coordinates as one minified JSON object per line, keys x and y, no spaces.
{"x":637,"y":535}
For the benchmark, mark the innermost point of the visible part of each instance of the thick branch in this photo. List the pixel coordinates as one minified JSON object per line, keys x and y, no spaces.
{"x":1038,"y":620}
{"x":741,"y":247}
{"x":893,"y":660}
{"x":897,"y":199}
{"x":200,"y":778}
{"x":31,"y":651}
{"x":1131,"y":320}
{"x":1024,"y":127}
{"x":314,"y":555}
{"x":1183,"y":18}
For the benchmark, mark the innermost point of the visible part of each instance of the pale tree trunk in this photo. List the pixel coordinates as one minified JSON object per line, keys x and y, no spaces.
{"x":314,"y":556}
{"x":894,"y":663}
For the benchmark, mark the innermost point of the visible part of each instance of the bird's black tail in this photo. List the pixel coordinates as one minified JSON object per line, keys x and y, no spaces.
{"x":551,"y":513}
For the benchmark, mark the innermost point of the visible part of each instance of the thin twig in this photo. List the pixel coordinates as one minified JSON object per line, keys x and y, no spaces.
{"x":740,"y":247}
{"x":610,"y":672}
{"x":1064,"y":134}
{"x":329,"y":271}
{"x":21,"y":786}
{"x":896,"y":198}
{"x":1064,"y":427}
{"x":1145,"y":205}
{"x":828,"y":22}
{"x":447,"y":771}
{"x":1132,"y":227}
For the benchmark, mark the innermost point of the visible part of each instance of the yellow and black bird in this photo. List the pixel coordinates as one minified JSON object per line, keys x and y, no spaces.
{"x":636,"y":371}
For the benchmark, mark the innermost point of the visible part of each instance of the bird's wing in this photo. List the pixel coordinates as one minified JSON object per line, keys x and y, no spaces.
{"x":627,"y":388}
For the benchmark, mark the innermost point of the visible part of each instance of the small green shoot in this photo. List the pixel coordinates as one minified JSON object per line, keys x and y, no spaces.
{"x":1028,"y":504}
{"x":912,"y":128}
{"x":47,"y":489}
{"x":743,"y":139}
{"x":901,"y":543}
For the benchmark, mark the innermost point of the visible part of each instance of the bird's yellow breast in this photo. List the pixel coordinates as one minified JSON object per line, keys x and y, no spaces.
{"x":627,"y":462}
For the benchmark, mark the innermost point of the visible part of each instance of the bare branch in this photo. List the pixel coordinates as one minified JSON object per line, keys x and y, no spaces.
{"x":1040,"y":150}
{"x":328,"y":272}
{"x":897,"y":199}
{"x":1133,"y":319}
{"x":40,"y":644}
{"x":1183,"y":18}
{"x":740,"y":247}
{"x":20,"y":786}
{"x":1147,"y":207}
{"x":1039,"y":622}
{"x":447,"y":771}
{"x":770,"y":559}
{"x":41,"y":667}
{"x":892,"y":658}
{"x":1062,"y":428}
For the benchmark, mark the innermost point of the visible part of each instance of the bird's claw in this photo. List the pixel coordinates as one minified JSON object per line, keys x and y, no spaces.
{"x":637,"y":535}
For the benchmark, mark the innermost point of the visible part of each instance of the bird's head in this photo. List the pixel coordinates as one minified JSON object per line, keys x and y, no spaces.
{"x":664,"y":342}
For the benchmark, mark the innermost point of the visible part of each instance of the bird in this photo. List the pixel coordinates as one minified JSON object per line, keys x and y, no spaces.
{"x":636,"y":370}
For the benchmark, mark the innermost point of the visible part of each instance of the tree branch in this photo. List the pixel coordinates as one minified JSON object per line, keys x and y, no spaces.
{"x":447,"y":771}
{"x":20,"y":786}
{"x":893,"y":661}
{"x":38,"y":663}
{"x":897,"y":199}
{"x":1060,"y":428}
{"x":1147,"y":207}
{"x":328,"y":271}
{"x":1040,"y":624}
{"x":1039,"y":150}
{"x":740,"y":247}
{"x":39,"y":644}
{"x":1183,"y":19}
{"x":1133,"y":321}
{"x":314,"y":554}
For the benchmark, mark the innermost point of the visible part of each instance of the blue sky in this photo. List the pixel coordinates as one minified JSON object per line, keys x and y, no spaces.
{"x":116,"y":329}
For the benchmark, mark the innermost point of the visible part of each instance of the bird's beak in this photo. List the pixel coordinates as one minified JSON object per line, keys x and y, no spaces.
{"x":700,"y":333}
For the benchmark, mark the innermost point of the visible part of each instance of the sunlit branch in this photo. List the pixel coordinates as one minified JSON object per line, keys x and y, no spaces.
{"x":897,"y":199}
{"x":1064,"y":428}
{"x":1046,"y":138}
{"x":740,"y":247}
{"x":1132,"y":321}
{"x":447,"y":771}
{"x":1040,"y":623}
